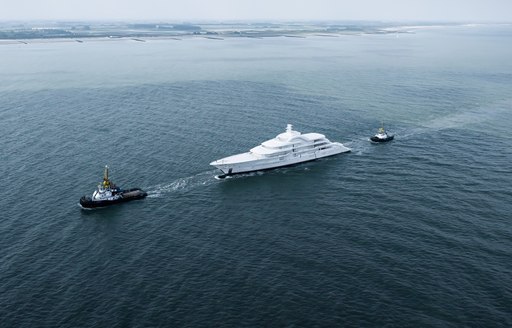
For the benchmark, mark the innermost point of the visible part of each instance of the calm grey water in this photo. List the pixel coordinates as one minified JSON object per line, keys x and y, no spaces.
{"x":413,"y":233}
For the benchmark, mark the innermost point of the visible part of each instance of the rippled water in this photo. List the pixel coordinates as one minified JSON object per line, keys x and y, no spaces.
{"x":412,"y":233}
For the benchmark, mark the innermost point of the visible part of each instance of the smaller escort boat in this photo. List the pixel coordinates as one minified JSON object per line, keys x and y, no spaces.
{"x":108,"y":193}
{"x":382,"y":136}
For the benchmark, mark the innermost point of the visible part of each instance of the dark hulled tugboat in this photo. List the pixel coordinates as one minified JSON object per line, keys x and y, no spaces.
{"x":382,"y":136}
{"x":108,"y":193}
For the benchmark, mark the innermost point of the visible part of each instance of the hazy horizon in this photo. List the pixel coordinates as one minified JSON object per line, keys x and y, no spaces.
{"x":490,"y":11}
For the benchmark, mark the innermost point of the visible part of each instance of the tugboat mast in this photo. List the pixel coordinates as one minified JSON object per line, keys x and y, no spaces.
{"x":106,"y":182}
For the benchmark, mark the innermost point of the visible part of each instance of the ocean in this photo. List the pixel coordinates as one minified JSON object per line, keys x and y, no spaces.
{"x":412,"y":233}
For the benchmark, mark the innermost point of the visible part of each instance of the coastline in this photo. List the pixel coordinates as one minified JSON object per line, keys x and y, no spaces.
{"x":22,"y":33}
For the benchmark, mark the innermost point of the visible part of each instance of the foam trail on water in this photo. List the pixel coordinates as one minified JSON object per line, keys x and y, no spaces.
{"x":359,"y":146}
{"x":488,"y":114}
{"x":182,"y":184}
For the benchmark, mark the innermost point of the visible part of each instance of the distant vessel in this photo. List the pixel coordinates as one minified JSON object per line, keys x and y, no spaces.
{"x":382,"y":136}
{"x":288,"y":148}
{"x":108,"y":193}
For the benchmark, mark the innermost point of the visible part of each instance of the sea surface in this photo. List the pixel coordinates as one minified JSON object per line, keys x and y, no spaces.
{"x":412,"y":233}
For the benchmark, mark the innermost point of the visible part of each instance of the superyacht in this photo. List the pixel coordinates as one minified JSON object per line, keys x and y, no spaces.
{"x":288,"y":148}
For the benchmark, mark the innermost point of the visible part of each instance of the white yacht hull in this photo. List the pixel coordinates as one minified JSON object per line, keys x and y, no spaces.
{"x":229,"y":167}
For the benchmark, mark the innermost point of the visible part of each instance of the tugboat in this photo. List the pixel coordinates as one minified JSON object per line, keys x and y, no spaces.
{"x":382,"y":136}
{"x":108,"y":193}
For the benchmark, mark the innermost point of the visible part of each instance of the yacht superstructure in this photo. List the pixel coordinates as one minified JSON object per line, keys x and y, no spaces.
{"x":288,"y":148}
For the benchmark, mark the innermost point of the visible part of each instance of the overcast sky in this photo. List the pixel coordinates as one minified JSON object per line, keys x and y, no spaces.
{"x":193,"y":10}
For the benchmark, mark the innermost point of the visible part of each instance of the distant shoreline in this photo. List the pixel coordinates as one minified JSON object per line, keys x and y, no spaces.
{"x":23,"y":33}
{"x":26,"y":33}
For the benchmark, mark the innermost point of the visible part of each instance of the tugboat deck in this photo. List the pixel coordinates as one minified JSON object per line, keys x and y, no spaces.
{"x":133,"y":193}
